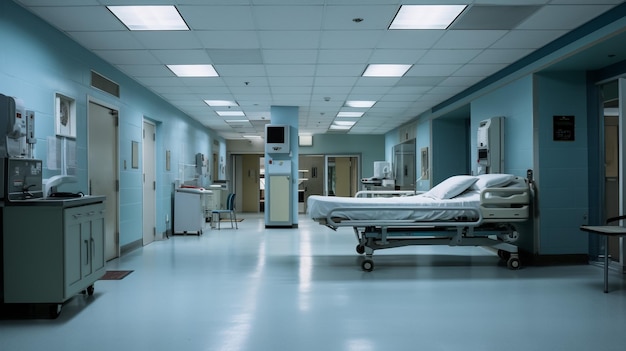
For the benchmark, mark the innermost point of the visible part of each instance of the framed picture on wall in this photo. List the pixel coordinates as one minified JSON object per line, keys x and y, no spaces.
{"x":65,"y":116}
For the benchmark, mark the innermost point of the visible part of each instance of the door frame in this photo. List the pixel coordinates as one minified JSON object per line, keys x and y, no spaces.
{"x":154,"y":174}
{"x":358,"y":169}
{"x":116,"y":203}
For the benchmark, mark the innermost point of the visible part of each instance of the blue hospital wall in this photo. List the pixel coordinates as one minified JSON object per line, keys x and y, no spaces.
{"x":42,"y":61}
{"x":514,"y":101}
{"x":562,"y":174}
{"x":450,"y":148}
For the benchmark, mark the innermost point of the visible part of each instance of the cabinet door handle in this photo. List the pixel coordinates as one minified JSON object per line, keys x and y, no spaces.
{"x":93,"y":247}
{"x":86,"y":251}
{"x":91,"y":213}
{"x":77,"y":215}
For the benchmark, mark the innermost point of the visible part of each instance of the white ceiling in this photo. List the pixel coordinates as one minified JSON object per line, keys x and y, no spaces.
{"x":311,"y":54}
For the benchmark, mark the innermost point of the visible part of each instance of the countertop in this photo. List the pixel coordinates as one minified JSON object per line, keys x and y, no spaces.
{"x":59,"y":201}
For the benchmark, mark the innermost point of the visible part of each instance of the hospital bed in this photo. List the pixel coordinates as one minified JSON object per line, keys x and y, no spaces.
{"x":460,"y":211}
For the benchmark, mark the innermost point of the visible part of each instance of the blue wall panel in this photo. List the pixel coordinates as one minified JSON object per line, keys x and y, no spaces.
{"x":562,"y":178}
{"x":42,"y":62}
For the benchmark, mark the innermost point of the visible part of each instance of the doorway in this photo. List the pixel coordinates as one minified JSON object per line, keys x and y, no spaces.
{"x":102,"y":169}
{"x":613,"y":96}
{"x":149,"y":182}
{"x":250,"y":183}
{"x":342,"y":175}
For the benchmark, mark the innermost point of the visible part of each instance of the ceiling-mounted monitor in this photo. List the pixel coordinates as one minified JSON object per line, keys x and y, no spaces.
{"x":277,"y":139}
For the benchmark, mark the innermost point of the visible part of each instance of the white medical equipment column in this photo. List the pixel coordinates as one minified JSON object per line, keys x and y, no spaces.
{"x":490,"y":145}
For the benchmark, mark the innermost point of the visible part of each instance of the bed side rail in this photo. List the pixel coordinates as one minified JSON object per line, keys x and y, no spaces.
{"x":385,"y":193}
{"x":337,"y":221}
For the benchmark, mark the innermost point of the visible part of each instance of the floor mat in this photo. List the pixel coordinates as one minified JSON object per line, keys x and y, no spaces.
{"x":115,"y":275}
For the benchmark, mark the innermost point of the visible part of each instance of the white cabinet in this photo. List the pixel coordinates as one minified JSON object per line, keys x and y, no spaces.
{"x":53,"y":252}
{"x":189,"y":210}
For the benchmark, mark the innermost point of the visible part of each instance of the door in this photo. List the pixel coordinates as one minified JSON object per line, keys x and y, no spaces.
{"x":102,"y":169}
{"x":342,"y":175}
{"x":250,"y":192}
{"x":314,"y":185}
{"x":149,"y":182}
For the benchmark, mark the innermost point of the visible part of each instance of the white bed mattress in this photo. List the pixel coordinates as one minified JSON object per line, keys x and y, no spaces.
{"x":318,"y":207}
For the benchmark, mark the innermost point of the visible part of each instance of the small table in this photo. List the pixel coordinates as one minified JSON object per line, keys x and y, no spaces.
{"x":606,"y":231}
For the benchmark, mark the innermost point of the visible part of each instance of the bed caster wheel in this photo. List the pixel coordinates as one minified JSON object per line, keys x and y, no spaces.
{"x":360,"y":249}
{"x":367,"y":265}
{"x":513,"y":263}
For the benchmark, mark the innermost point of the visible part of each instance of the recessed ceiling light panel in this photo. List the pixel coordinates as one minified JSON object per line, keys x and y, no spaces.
{"x":230,"y":113}
{"x":350,"y":114}
{"x":426,"y":16}
{"x":220,"y":103}
{"x":193,"y":70}
{"x":385,"y":70}
{"x":149,"y":17}
{"x":360,"y":103}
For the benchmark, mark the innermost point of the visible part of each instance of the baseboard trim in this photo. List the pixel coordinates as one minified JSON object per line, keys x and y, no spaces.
{"x":131,"y":247}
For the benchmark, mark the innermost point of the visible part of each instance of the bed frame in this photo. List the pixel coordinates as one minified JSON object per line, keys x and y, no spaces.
{"x":490,"y":224}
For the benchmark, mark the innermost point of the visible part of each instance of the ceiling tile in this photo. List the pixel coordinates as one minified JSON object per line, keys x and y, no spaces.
{"x":228,"y":39}
{"x":182,"y":57}
{"x":527,"y":39}
{"x":106,"y":40}
{"x":350,"y":39}
{"x":235,"y":56}
{"x":469,"y":39}
{"x":484,"y":17}
{"x":79,"y":18}
{"x":289,"y":56}
{"x":288,"y":17}
{"x":289,"y":39}
{"x":215,"y":17}
{"x":450,"y":56}
{"x":167,"y":40}
{"x":373,"y":17}
{"x":117,"y":57}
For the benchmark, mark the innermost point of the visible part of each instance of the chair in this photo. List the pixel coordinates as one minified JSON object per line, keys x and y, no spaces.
{"x":230,"y":209}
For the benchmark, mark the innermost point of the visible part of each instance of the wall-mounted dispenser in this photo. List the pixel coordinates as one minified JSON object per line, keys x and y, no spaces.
{"x":12,"y":127}
{"x":490,"y":145}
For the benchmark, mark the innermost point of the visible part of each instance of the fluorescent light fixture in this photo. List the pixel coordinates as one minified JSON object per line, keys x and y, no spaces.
{"x":426,"y":16}
{"x":337,"y":127}
{"x":230,"y":113}
{"x":360,"y":103}
{"x":385,"y":70}
{"x":344,"y":123}
{"x":350,"y":114}
{"x":237,"y":121}
{"x":221,"y":103}
{"x":252,"y":136}
{"x":193,"y":70}
{"x":149,"y":17}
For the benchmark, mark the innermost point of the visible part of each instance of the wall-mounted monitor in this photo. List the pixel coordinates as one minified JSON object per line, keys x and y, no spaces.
{"x":277,"y":139}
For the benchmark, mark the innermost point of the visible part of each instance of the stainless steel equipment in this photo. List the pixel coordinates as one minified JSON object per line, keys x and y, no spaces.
{"x":21,"y":179}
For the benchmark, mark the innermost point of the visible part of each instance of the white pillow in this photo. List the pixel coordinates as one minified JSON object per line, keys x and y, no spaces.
{"x":492,"y":181}
{"x":451,"y":187}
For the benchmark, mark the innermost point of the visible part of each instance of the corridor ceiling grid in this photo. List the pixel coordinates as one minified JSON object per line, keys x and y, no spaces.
{"x":312,"y":54}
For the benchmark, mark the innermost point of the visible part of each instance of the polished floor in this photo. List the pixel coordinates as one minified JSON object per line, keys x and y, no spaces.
{"x":303,"y":289}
